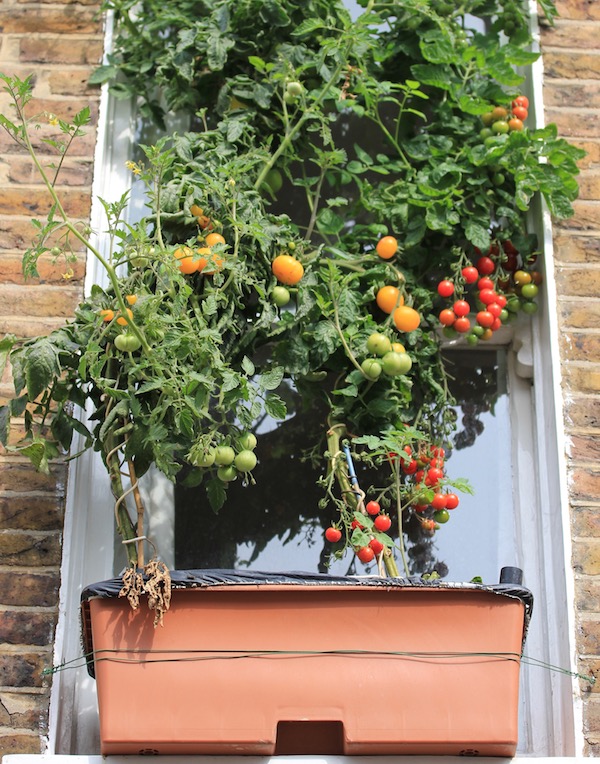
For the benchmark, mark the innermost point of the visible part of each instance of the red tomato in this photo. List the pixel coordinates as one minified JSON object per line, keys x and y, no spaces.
{"x":461,"y":308}
{"x":521,"y":101}
{"x":373,"y":507}
{"x":462,"y":324}
{"x":470,"y":274}
{"x":445,"y":288}
{"x":452,"y":501}
{"x":365,"y":554}
{"x":333,"y":534}
{"x":383,"y":523}
{"x":485,"y":266}
{"x":447,"y":317}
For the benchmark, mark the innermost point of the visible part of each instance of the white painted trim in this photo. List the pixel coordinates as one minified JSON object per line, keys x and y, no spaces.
{"x":89,"y":506}
{"x":553,"y":399}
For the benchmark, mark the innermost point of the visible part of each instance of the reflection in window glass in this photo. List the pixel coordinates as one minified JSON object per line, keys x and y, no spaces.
{"x":277,"y":523}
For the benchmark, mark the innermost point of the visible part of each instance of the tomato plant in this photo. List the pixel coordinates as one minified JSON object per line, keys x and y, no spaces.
{"x":332,"y":195}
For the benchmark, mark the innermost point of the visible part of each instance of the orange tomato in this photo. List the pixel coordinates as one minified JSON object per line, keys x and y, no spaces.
{"x":387,"y":247}
{"x":196,"y":211}
{"x":206,"y":253}
{"x":388,"y":298}
{"x":185,"y":260}
{"x":107,"y":315}
{"x":214,"y":238}
{"x":287,"y":269}
{"x":131,"y":299}
{"x":122,"y":321}
{"x":406,"y":319}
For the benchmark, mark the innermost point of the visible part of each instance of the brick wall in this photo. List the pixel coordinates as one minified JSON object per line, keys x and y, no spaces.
{"x":60,"y":42}
{"x":572,"y":100}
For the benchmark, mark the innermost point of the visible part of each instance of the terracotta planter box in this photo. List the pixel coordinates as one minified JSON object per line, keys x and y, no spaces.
{"x":289,"y":664}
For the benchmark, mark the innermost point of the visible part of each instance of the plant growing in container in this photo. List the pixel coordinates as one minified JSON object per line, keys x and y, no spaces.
{"x":401,"y":138}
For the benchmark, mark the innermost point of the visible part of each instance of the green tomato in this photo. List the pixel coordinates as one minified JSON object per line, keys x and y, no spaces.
{"x":394,"y":363}
{"x":227,"y":473}
{"x":205,"y":459}
{"x":273,"y":181}
{"x":280,"y":296}
{"x":371,"y":368}
{"x":500,"y":127}
{"x":224,"y":455}
{"x":529,"y":307}
{"x":529,"y":291}
{"x":127,"y":343}
{"x":248,"y":441}
{"x":245,"y":461}
{"x":379,"y":344}
{"x":294,"y":89}
{"x":441,"y":516}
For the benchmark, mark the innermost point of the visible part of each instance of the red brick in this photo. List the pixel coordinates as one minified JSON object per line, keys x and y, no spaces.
{"x":572,"y":64}
{"x":72,"y":19}
{"x":44,"y":301}
{"x":20,"y":476}
{"x":37,"y":202}
{"x":30,"y":512}
{"x":578,"y":9}
{"x":51,"y":270}
{"x":582,"y":413}
{"x":578,"y":281}
{"x":586,"y":557}
{"x":23,"y":669}
{"x":73,"y":172}
{"x":58,"y":50}
{"x":567,"y":34}
{"x":586,"y":218}
{"x":579,"y":313}
{"x":19,"y":587}
{"x":24,"y":548}
{"x":19,"y":743}
{"x":576,"y":248}
{"x":22,"y":627}
{"x":584,"y":484}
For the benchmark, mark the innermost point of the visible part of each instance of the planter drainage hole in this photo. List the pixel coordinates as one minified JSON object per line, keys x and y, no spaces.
{"x":469,"y":752}
{"x":309,"y":737}
{"x":148,"y":752}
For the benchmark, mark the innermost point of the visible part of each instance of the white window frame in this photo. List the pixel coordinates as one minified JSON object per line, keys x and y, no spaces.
{"x":542,"y":507}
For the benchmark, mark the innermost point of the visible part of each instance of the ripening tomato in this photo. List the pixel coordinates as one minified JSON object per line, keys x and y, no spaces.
{"x":388,"y":298}
{"x":406,"y":319}
{"x":373,"y":507}
{"x":521,"y":101}
{"x":447,"y":317}
{"x":387,"y":247}
{"x":287,"y":269}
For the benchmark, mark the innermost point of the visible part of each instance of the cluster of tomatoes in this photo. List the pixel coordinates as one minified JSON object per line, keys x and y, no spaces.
{"x":493,"y":300}
{"x":389,"y":358}
{"x":229,"y":463}
{"x":500,"y":120}
{"x":425,"y":471}
{"x":288,"y":270}
{"x":382,"y":522}
{"x":125,"y":341}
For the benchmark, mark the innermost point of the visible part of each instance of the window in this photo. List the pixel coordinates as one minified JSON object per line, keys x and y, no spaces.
{"x":523,"y":466}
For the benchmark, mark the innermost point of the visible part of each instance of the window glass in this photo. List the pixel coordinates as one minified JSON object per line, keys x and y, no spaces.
{"x":276,"y":524}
